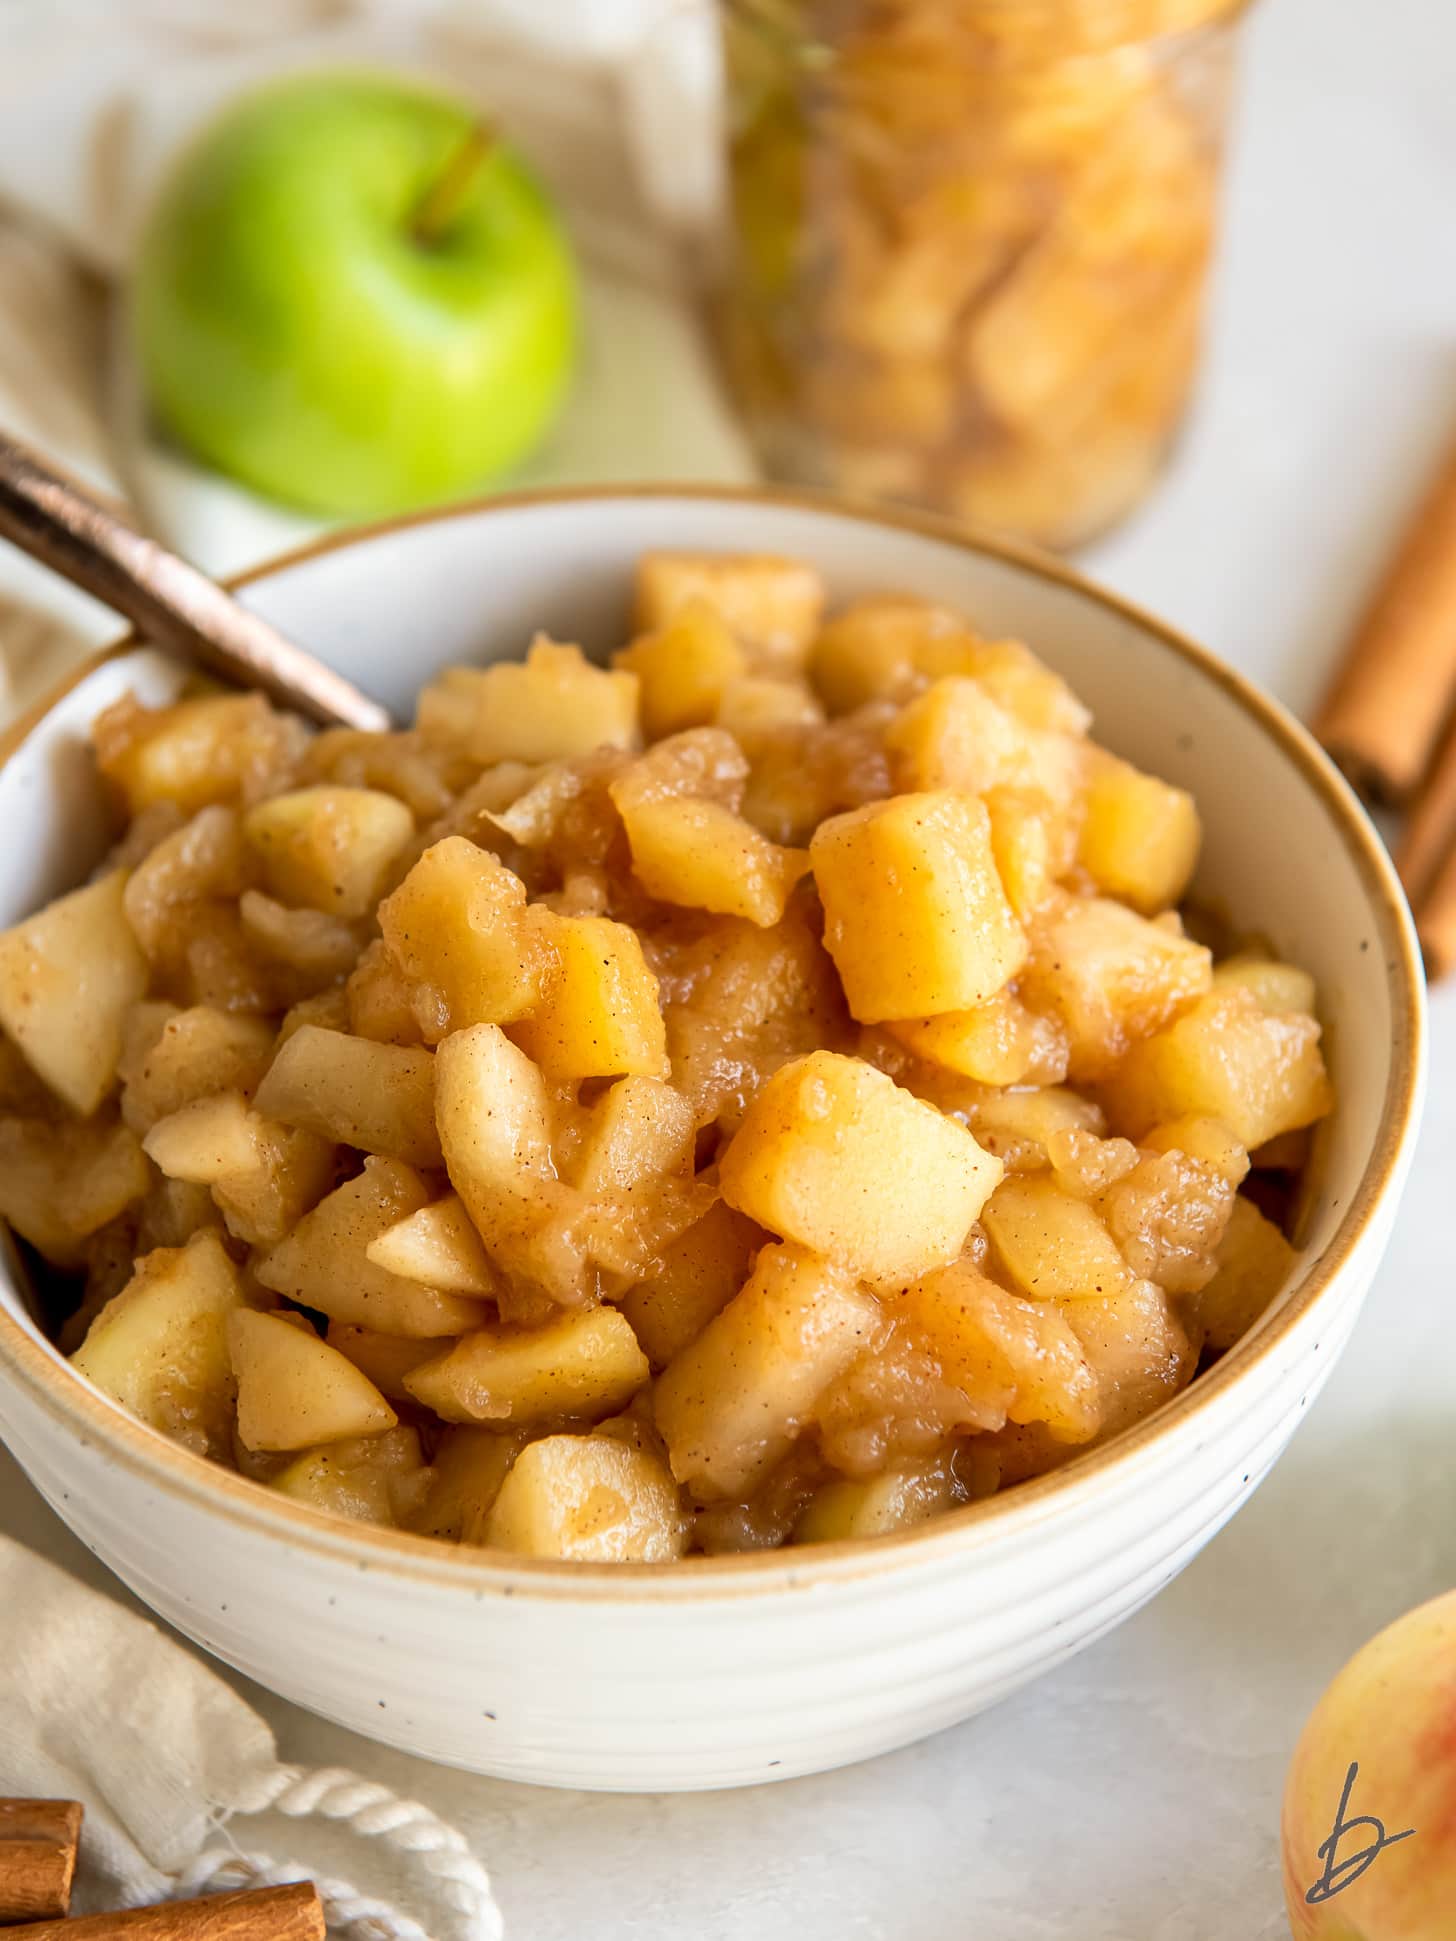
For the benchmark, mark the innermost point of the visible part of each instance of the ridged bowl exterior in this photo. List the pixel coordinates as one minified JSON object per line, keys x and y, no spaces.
{"x":729,"y":1672}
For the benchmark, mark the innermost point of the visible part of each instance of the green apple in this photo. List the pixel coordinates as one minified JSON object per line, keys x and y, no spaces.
{"x":351,"y":297}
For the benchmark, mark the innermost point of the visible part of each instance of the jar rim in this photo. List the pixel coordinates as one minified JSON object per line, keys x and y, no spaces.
{"x":1089,"y":27}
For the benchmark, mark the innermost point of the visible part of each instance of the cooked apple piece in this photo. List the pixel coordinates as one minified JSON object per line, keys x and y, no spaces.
{"x":329,"y":1010}
{"x":1208,"y":1140}
{"x":1023,"y":684}
{"x":693,"y":1278}
{"x":999,"y":1042}
{"x":915,"y":916}
{"x":1052,"y":1245}
{"x":1254,"y":1263}
{"x":591,"y":1499}
{"x":174,"y":1057}
{"x":386,"y":1358}
{"x":1278,"y":987}
{"x":294,"y":1390}
{"x":68,"y":977}
{"x":547,"y":708}
{"x":639,"y":1130}
{"x":598,"y":1015}
{"x":1140,"y":837}
{"x":1032,"y":848}
{"x":731,"y":1403}
{"x":586,"y":1364}
{"x":758,"y":706}
{"x":706,"y":857}
{"x":1138,"y":1350}
{"x":458,"y":923}
{"x":379,"y":999}
{"x":61,"y":1183}
{"x":470,"y":1466}
{"x":380,"y":1098}
{"x":874,"y":648}
{"x":323,"y":1263}
{"x":195,"y":752}
{"x":897,"y":1499}
{"x":377,"y":1479}
{"x":704,"y":763}
{"x":1111,"y":976}
{"x":957,"y":736}
{"x":1229,"y":1059}
{"x":833,"y":1154}
{"x":494,"y":1120}
{"x":1009,"y":1355}
{"x":683,"y":668}
{"x":328,"y":848}
{"x":1167,"y":1216}
{"x":772,"y":605}
{"x":264,"y":1176}
{"x":439,"y":1246}
{"x":1086,"y":1166}
{"x":159,"y":1347}
{"x":1018,"y":1127}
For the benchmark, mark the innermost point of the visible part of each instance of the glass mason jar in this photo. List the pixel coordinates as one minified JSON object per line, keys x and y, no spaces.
{"x":969,"y":245}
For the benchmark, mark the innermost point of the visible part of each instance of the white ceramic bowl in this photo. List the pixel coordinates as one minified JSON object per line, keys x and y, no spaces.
{"x":721,"y":1672}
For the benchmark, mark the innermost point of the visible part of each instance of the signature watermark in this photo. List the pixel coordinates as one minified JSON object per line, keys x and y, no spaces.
{"x":1342,"y":1873}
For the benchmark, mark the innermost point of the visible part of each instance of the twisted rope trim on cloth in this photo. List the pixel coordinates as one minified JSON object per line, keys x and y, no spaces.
{"x":374,"y":1813}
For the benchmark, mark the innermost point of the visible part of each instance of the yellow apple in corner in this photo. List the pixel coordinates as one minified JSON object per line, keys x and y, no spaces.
{"x":1369,"y":1831}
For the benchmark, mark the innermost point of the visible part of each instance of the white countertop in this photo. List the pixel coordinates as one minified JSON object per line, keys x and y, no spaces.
{"x":1133,"y":1795}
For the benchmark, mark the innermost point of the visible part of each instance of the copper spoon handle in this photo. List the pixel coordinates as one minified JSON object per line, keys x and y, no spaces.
{"x":168,"y":601}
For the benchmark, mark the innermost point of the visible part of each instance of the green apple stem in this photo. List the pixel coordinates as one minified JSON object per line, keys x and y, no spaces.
{"x":441,"y":201}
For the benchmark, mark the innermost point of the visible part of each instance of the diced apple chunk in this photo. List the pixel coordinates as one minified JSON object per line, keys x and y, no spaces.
{"x":1000,"y":1042}
{"x":590,"y":1499}
{"x":470,"y":1466}
{"x":1254,"y":1263}
{"x":323,"y":1263}
{"x":1278,"y":987}
{"x":1009,"y":1355}
{"x":377,"y":1479}
{"x":1052,"y":1245}
{"x":159,"y":1347}
{"x":598,"y":1014}
{"x":61,"y":1183}
{"x":875,"y":648}
{"x":1208,"y":1140}
{"x":187,"y":1055}
{"x":264,"y":1176}
{"x":731,"y":1404}
{"x":1111,"y":976}
{"x":684,"y":668}
{"x":915,"y":916}
{"x":294,"y":1390}
{"x":1140,"y":837}
{"x":704,"y":856}
{"x":587,"y":1364}
{"x":459,"y":924}
{"x":379,"y":1098}
{"x":772,"y":605}
{"x":439,"y":1246}
{"x":695,"y":1277}
{"x":328,"y":848}
{"x":957,"y":736}
{"x":833,"y":1154}
{"x":897,"y":1499}
{"x":386,"y":1358}
{"x":68,"y":977}
{"x":198,"y":751}
{"x":1136,"y":1347}
{"x":1229,"y":1059}
{"x":549,"y":707}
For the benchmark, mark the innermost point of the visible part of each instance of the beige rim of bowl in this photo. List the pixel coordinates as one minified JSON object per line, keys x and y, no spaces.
{"x":82,"y":1411}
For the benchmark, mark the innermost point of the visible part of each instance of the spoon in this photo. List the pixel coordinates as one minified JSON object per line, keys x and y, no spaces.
{"x":171,"y":603}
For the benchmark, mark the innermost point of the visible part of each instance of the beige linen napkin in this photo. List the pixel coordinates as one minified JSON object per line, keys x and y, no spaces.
{"x":613,"y":100}
{"x":100,"y":1705}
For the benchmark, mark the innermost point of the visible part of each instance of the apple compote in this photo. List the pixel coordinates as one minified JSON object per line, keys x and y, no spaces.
{"x":969,"y":243}
{"x":761,"y":1090}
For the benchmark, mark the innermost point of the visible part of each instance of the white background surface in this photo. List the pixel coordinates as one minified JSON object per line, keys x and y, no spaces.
{"x":1134,"y":1795}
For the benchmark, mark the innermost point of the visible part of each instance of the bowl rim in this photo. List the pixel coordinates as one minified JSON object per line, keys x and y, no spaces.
{"x":155,"y":1459}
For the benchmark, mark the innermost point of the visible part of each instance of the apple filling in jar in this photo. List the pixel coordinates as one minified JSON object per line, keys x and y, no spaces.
{"x":759,"y":1090}
{"x":969,"y":244}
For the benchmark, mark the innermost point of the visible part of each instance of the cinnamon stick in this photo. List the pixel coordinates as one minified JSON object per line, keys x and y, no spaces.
{"x":38,"y":1840}
{"x":292,"y":1913}
{"x":1390,"y":700}
{"x":1431,"y":832}
{"x":1436,"y":921}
